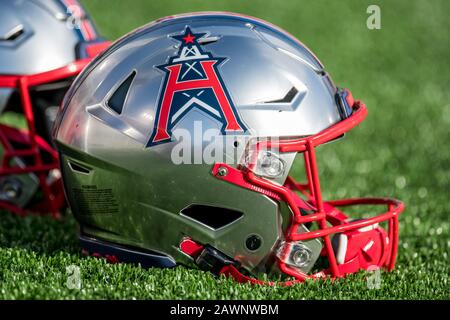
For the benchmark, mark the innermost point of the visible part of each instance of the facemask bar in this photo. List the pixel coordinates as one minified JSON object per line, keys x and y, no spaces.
{"x":248,"y":179}
{"x":33,"y":146}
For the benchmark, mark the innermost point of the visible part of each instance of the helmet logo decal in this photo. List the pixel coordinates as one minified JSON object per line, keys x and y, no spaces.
{"x":192,"y":79}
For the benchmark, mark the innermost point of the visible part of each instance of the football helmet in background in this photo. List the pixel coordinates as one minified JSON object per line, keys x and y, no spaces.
{"x":137,"y":126}
{"x":43,"y":46}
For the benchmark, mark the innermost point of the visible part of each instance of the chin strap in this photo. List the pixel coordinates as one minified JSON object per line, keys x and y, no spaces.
{"x":209,"y":259}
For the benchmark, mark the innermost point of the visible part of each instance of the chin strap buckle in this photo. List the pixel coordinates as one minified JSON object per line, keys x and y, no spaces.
{"x":206,"y":257}
{"x":213,"y":260}
{"x":210,"y":259}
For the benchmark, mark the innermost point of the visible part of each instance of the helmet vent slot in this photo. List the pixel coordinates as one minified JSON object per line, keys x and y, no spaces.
{"x":78,"y":168}
{"x":210,"y":216}
{"x":290,"y":95}
{"x":14,"y":33}
{"x":117,"y":99}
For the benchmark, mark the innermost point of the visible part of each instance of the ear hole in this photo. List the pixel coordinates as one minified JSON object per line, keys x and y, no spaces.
{"x":117,"y":100}
{"x":210,"y":216}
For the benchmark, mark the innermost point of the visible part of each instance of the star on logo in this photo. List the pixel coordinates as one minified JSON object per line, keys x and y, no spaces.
{"x":188,"y":37}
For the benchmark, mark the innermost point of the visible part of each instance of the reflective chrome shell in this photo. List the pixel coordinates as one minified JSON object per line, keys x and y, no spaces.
{"x":45,"y":42}
{"x":35,"y":36}
{"x":263,"y":64}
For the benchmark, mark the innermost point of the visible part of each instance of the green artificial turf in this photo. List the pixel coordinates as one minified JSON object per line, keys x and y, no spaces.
{"x":401,"y":150}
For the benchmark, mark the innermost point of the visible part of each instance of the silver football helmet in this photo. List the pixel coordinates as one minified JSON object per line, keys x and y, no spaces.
{"x":176,"y":146}
{"x":43,"y":46}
